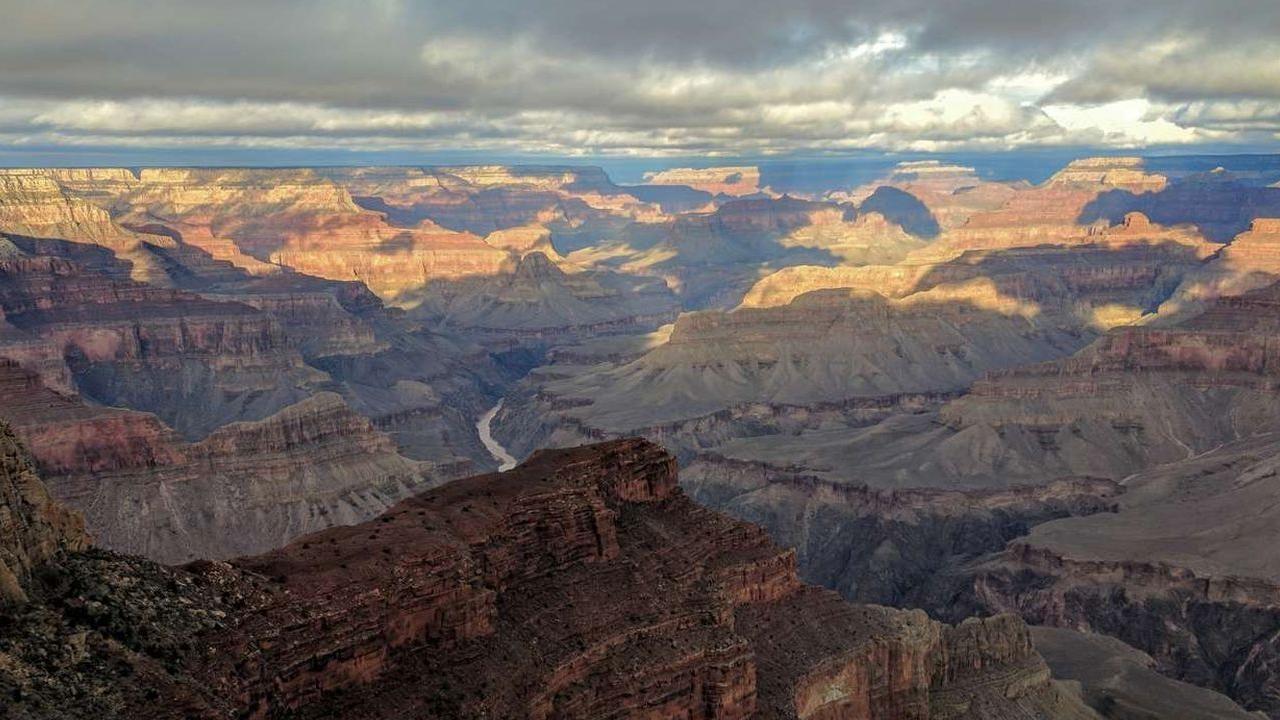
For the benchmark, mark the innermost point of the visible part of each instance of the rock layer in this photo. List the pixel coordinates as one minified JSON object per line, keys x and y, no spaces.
{"x":34,"y":529}
{"x":245,"y":488}
{"x":589,"y":587}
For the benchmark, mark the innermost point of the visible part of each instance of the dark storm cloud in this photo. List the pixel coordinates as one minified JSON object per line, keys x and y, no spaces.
{"x":641,"y":76}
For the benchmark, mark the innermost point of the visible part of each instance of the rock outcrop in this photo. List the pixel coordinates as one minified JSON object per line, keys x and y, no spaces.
{"x":34,"y":529}
{"x":885,"y":545}
{"x":582,"y":584}
{"x":484,"y":199}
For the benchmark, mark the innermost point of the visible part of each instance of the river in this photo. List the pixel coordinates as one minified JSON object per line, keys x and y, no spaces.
{"x":499,"y":453}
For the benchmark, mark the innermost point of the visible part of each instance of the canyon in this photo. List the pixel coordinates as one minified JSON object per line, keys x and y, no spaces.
{"x":262,"y":402}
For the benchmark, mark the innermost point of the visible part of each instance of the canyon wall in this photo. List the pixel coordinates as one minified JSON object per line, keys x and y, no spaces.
{"x":582,"y":584}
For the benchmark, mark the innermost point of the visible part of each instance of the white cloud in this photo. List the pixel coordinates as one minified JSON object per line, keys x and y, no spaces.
{"x":1123,"y":123}
{"x":583,"y":76}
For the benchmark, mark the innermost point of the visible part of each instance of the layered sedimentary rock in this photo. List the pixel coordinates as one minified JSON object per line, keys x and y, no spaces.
{"x":483,"y":199}
{"x":1124,"y":173}
{"x":711,"y":259}
{"x":34,"y":204}
{"x":1177,"y":566}
{"x":952,"y":193}
{"x":743,"y":180}
{"x":240,"y":347}
{"x":1183,"y":571}
{"x":262,"y":219}
{"x":1249,"y":262}
{"x":196,"y":362}
{"x":846,"y":352}
{"x":584,"y":584}
{"x":1139,"y":396}
{"x":874,"y":542}
{"x":247,"y":487}
{"x":811,"y":344}
{"x":1118,"y":276}
{"x":1219,"y":205}
{"x":284,"y":335}
{"x":34,"y":529}
{"x":541,"y":301}
{"x":1136,"y":397}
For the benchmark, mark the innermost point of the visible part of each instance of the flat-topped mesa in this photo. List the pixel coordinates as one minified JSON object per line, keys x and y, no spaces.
{"x":744,"y":180}
{"x":546,"y":177}
{"x":183,"y":190}
{"x":924,"y":171}
{"x":95,"y":175}
{"x":34,"y":529}
{"x":1123,"y":173}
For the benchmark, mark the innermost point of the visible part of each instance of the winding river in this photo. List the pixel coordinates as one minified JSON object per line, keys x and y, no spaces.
{"x":499,"y":453}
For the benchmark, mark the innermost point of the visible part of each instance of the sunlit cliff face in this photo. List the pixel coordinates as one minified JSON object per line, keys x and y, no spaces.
{"x":574,"y":77}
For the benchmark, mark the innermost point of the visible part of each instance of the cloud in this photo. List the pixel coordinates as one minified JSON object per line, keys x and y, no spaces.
{"x":656,"y":77}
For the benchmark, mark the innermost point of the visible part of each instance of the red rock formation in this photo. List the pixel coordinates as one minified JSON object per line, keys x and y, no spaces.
{"x":34,"y":528}
{"x":261,"y":219}
{"x":585,"y":584}
{"x":1052,"y":214}
{"x":582,"y":584}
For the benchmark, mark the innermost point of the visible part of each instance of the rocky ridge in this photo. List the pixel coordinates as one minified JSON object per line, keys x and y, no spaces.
{"x":463,"y":601}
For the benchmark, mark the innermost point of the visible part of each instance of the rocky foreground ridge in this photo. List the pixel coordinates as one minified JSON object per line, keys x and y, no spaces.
{"x":582,"y":584}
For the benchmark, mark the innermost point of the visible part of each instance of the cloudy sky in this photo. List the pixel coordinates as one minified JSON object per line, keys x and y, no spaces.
{"x":642,"y":78}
